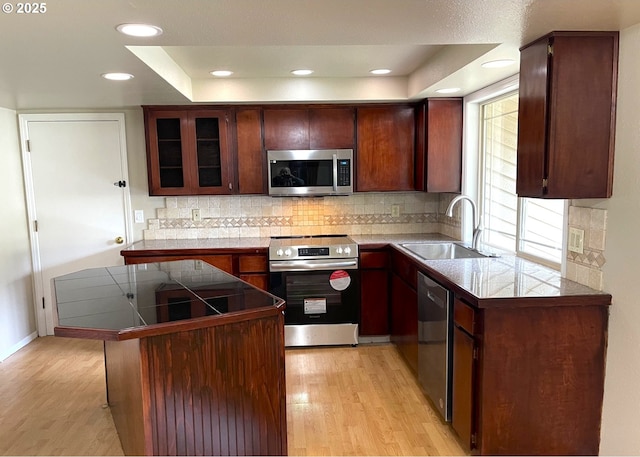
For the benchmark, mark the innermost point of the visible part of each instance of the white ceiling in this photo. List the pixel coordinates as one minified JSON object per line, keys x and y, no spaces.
{"x":54,"y":60}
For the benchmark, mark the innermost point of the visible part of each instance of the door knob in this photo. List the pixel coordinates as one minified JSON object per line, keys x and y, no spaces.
{"x":119,"y":240}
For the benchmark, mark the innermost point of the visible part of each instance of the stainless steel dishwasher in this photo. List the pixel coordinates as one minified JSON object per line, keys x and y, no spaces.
{"x":435,"y":343}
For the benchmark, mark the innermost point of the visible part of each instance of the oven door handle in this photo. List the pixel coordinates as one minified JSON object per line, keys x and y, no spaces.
{"x":302,"y":265}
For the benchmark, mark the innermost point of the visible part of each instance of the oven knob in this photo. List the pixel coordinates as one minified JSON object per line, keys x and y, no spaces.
{"x":287,"y":252}
{"x":347,"y":250}
{"x":279,"y":252}
{"x":339,"y":250}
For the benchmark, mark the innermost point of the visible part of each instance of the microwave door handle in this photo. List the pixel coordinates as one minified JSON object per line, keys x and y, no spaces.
{"x":335,"y":172}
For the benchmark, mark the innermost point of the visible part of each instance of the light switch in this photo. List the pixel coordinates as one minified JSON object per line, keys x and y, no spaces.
{"x":395,"y":210}
{"x":138,"y":216}
{"x":576,"y":240}
{"x":196,"y":215}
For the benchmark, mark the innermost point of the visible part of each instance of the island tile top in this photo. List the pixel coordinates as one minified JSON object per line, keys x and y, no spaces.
{"x":137,"y":296}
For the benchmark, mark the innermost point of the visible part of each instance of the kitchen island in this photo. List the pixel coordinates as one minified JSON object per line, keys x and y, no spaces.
{"x":194,"y":357}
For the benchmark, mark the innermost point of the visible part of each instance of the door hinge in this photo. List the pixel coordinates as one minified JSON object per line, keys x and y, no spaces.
{"x":120,"y":183}
{"x":475,"y":353}
{"x":42,"y":302}
{"x":550,"y":49}
{"x":35,"y":226}
{"x":545,"y":183}
{"x":474,"y":439}
{"x":28,"y":145}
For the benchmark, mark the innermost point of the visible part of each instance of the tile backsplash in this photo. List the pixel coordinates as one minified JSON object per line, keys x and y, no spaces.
{"x":586,"y":268}
{"x":263,"y":216}
{"x":357,"y":214}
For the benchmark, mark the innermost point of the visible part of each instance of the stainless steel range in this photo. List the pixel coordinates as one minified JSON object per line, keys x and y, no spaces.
{"x":319,"y":279}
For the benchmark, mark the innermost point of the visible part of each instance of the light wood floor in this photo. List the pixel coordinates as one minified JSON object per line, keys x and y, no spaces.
{"x":340,"y":401}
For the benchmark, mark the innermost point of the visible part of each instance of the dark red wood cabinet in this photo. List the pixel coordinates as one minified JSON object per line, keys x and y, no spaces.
{"x":386,"y":148}
{"x":374,"y":294}
{"x":187,"y":151}
{"x":439,"y":145}
{"x":566,"y":115}
{"x":251,"y":160}
{"x":404,"y":308}
{"x":250,"y":265}
{"x":309,"y":128}
{"x":529,"y":379}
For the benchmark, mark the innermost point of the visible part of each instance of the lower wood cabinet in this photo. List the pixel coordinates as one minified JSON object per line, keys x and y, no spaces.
{"x":529,"y":379}
{"x":374,"y":292}
{"x":404,"y":320}
{"x":252,"y":268}
{"x":404,"y":308}
{"x":464,"y":373}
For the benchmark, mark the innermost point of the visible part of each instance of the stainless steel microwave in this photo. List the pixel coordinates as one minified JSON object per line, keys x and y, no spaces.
{"x":298,"y":172}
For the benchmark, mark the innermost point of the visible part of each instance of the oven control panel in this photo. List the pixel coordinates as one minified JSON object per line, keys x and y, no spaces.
{"x":304,"y":252}
{"x":312,"y":248}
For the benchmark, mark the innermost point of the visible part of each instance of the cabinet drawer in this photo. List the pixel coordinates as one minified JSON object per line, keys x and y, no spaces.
{"x":374,"y":259}
{"x":464,"y":316}
{"x":252,"y":264}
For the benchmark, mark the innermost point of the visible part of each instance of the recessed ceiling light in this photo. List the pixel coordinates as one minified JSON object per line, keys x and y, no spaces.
{"x":380,"y":71}
{"x":222,"y":73}
{"x":301,"y":72}
{"x":139,"y":30}
{"x":117,"y":76}
{"x":498,"y":63}
{"x":450,"y":90}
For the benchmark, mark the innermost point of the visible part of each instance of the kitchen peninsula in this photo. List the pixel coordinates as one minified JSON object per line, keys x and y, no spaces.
{"x":194,"y":357}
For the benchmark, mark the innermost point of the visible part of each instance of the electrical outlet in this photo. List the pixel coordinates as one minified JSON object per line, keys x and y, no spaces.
{"x":195,"y":215}
{"x":576,"y":240}
{"x":395,"y":210}
{"x":138,"y":216}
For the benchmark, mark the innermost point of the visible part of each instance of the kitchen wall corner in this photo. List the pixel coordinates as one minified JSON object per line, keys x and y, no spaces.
{"x":586,"y":268}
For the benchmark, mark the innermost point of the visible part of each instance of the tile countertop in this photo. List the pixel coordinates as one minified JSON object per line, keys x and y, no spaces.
{"x":488,"y":278}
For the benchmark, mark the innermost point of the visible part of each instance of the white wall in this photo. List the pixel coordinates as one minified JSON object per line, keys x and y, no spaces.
{"x":621,"y":415}
{"x":137,"y":163}
{"x":17,"y":315}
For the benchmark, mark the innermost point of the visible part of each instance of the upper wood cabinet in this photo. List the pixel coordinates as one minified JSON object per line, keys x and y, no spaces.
{"x":566,"y":115}
{"x":250,"y":156}
{"x":439,"y":145}
{"x":309,"y":128}
{"x":187,"y":151}
{"x":385,"y":154}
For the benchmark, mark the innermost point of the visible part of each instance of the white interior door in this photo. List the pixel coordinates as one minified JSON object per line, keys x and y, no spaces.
{"x":79,"y":216}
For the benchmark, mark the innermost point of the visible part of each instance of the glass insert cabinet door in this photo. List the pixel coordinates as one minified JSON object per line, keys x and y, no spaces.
{"x":187,"y":152}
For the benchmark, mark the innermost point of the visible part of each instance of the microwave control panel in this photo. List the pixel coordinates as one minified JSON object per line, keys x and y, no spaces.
{"x":344,"y":172}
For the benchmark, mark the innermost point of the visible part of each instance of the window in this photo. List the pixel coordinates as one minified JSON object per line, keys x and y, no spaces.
{"x":527,"y":226}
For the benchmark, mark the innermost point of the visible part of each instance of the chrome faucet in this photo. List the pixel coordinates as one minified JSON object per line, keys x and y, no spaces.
{"x":477,"y":219}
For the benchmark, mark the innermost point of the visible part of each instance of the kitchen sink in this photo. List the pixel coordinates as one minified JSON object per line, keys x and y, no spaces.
{"x":438,"y":251}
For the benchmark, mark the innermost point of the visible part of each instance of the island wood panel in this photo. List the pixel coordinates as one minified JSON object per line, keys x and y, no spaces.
{"x":210,"y":391}
{"x":125,"y":387}
{"x":542,"y":380}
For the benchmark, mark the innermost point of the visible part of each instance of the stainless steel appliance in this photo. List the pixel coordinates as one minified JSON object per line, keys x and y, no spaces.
{"x":319,"y":279}
{"x":300,"y":172}
{"x":435,"y":349}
